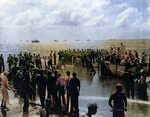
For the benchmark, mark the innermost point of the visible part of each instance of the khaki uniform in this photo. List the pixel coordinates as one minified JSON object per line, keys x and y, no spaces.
{"x":4,"y":87}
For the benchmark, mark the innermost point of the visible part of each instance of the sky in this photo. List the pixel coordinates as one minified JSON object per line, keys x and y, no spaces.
{"x":48,"y":20}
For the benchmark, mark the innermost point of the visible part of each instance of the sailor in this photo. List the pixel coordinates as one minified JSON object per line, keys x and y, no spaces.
{"x":54,"y":57}
{"x":4,"y":87}
{"x":15,"y":60}
{"x":61,"y":84}
{"x":10,"y":61}
{"x":21,"y":59}
{"x":40,"y":62}
{"x":37,"y":62}
{"x":92,"y":109}
{"x":41,"y":81}
{"x":2,"y":67}
{"x":50,"y":84}
{"x":49,"y":62}
{"x":142,"y":86}
{"x":123,"y":48}
{"x":75,"y":89}
{"x":129,"y":83}
{"x":68,"y":89}
{"x":118,"y":102}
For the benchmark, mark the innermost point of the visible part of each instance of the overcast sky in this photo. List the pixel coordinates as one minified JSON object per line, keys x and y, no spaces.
{"x":47,"y":20}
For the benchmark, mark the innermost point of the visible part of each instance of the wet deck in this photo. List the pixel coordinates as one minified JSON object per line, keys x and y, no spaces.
{"x":16,"y":108}
{"x":100,"y":91}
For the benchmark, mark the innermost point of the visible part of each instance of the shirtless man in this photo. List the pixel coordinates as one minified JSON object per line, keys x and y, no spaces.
{"x":123,"y":49}
{"x":68,"y":89}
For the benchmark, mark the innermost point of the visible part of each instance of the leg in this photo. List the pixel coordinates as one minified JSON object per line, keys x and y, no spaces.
{"x":76,"y":105}
{"x":63,"y":96}
{"x":2,"y":103}
{"x":67,"y":108}
{"x":132,"y":91}
{"x":127,"y":91}
{"x":42,"y":98}
{"x":72,"y":104}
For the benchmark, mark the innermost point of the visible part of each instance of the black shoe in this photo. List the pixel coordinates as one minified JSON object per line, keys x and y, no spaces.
{"x":70,"y":113}
{"x":5,"y":108}
{"x":76,"y":114}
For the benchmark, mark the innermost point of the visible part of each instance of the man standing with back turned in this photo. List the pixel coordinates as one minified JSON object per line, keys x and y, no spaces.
{"x":119,"y":102}
{"x":75,"y":88}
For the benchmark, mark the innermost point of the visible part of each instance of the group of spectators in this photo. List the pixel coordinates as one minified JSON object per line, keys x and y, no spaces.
{"x":63,"y":92}
{"x":26,"y":76}
{"x":26,"y":73}
{"x":116,"y":55}
{"x":122,"y":55}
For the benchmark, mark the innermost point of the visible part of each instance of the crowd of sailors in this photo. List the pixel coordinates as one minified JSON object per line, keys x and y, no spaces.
{"x":117,"y":55}
{"x":26,"y":74}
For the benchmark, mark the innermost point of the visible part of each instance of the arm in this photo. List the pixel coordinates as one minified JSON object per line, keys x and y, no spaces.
{"x":124,"y":46}
{"x":139,"y":81}
{"x":79,"y":86}
{"x":125,"y":103}
{"x":6,"y":84}
{"x":57,"y":82}
{"x":110,"y":101}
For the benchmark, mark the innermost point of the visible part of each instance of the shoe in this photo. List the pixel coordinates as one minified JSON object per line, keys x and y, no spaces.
{"x":76,"y":114}
{"x":70,"y":113}
{"x":5,"y":108}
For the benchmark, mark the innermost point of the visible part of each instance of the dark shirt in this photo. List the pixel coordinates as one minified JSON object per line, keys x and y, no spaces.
{"x":119,"y":100}
{"x":128,"y":77}
{"x":50,"y":81}
{"x":127,"y":66}
{"x":75,"y":86}
{"x":41,"y":81}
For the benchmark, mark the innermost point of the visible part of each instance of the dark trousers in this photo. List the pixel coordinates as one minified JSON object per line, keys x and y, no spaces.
{"x":75,"y":105}
{"x":55,"y":97}
{"x":50,"y":91}
{"x":37,"y":65}
{"x":143,"y":91}
{"x":129,"y":89}
{"x":54,"y":61}
{"x":26,"y":103}
{"x":118,"y":114}
{"x":21,"y":63}
{"x":33,"y":92}
{"x":42,"y":97}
